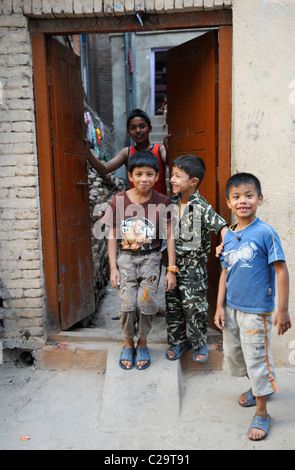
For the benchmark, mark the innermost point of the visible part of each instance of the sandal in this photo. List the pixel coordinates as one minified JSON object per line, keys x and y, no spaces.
{"x":127,"y":354}
{"x":251,"y":400}
{"x":203,"y":351}
{"x":179,"y":349}
{"x":142,"y":354}
{"x":260,"y":423}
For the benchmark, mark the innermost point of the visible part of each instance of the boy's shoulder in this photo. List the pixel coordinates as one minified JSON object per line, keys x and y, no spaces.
{"x":159,"y":198}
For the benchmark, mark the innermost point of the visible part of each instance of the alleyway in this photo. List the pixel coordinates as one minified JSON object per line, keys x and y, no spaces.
{"x":169,"y":406}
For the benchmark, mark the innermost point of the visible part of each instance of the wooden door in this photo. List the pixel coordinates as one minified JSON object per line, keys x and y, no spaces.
{"x":192,"y":121}
{"x":74,"y":247}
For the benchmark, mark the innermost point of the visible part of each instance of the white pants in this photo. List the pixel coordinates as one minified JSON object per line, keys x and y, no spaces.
{"x":246,"y":342}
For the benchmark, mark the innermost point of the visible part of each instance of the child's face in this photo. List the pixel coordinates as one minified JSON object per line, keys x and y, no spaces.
{"x":139,"y":130}
{"x":143,"y":178}
{"x":243,"y":201}
{"x":181,"y":182}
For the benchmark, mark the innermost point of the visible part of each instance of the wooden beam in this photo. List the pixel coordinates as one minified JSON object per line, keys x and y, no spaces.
{"x":112,"y":24}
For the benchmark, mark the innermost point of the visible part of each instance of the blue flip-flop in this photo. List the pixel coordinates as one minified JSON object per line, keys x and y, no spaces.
{"x":251,"y":400}
{"x":259,"y":422}
{"x":179,"y":349}
{"x":202,"y":351}
{"x":127,"y":354}
{"x":142,"y":354}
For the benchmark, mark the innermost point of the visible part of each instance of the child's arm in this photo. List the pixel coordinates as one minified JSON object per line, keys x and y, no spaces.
{"x":219,"y":318}
{"x":170,"y":278}
{"x":219,"y":248}
{"x":112,"y":252}
{"x":107,"y":167}
{"x":282,"y":319}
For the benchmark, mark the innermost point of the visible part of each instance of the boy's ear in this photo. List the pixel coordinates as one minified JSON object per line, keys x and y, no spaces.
{"x":260,"y":200}
{"x":130,"y":176}
{"x":195,"y":181}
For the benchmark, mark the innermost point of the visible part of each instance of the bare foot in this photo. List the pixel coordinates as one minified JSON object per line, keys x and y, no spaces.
{"x":142,"y":344}
{"x":129,"y":344}
{"x":170,"y":354}
{"x":256,"y":434}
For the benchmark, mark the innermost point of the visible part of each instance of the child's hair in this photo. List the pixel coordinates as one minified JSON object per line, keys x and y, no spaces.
{"x":138,"y":113}
{"x":192,"y":165}
{"x":243,"y":178}
{"x":141,"y":159}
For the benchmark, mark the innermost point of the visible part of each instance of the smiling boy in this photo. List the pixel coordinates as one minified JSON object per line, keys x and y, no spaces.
{"x":186,"y":305}
{"x":251,"y":259}
{"x":139,"y":218}
{"x":139,"y":128}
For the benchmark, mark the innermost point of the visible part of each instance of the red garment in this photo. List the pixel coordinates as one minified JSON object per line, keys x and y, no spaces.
{"x":160,"y":185}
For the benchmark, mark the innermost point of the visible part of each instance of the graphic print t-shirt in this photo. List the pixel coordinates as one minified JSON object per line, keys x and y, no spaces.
{"x":139,"y":226}
{"x":250,"y":280}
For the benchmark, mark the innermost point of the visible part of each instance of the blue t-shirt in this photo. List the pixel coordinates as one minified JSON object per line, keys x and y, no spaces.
{"x":250,"y":280}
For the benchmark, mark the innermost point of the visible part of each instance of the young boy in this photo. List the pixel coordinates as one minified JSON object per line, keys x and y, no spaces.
{"x":252,"y":257}
{"x":138,"y":217}
{"x":187,"y":305}
{"x":138,"y":128}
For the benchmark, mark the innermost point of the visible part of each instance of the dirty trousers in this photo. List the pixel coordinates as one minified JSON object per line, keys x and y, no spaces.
{"x":246,"y":342}
{"x":138,"y":291}
{"x":187,"y":306}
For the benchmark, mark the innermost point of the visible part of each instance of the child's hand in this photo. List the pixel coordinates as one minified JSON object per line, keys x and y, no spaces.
{"x":219,"y":319}
{"x":170,"y":281}
{"x":166,"y":141}
{"x":115,"y":278}
{"x":283,"y":322}
{"x":219,"y":250}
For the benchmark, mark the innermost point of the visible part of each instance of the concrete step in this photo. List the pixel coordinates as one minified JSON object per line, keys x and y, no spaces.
{"x":134,"y":397}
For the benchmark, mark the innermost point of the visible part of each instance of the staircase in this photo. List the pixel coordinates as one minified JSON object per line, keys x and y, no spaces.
{"x":158,"y":133}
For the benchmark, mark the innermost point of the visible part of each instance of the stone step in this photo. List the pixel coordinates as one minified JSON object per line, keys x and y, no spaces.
{"x":134,"y":397}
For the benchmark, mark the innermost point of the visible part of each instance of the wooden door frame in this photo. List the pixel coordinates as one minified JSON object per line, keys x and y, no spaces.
{"x":39,"y":29}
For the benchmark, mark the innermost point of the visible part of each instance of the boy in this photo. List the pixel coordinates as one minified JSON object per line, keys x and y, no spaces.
{"x":139,"y":216}
{"x":138,"y":128}
{"x":252,"y":257}
{"x":187,"y":303}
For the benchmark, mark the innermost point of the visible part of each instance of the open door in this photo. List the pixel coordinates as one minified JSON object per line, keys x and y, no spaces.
{"x":192,"y":121}
{"x":73,"y":229}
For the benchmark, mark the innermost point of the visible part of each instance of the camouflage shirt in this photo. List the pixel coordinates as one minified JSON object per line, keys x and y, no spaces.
{"x":192,"y":230}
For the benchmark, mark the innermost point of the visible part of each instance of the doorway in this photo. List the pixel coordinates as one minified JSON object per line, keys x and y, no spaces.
{"x":40,"y":30}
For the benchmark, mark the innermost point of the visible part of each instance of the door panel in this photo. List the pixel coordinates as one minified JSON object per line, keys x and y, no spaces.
{"x":192,"y":121}
{"x":75,"y":268}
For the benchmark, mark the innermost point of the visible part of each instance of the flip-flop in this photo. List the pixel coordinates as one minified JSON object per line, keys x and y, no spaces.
{"x":251,"y":400}
{"x":142,"y":354}
{"x":202,"y":351}
{"x":179,"y":349}
{"x":259,"y":422}
{"x":127,"y":354}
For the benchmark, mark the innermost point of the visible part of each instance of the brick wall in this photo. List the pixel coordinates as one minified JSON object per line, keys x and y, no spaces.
{"x":22,"y":313}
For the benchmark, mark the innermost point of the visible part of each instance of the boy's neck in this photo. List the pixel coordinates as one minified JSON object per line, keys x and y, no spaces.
{"x":138,"y":197}
{"x":185,"y":196}
{"x":243,"y":223}
{"x":143,"y":146}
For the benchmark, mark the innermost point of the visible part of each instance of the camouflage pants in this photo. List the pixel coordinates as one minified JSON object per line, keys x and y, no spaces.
{"x":187,"y":306}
